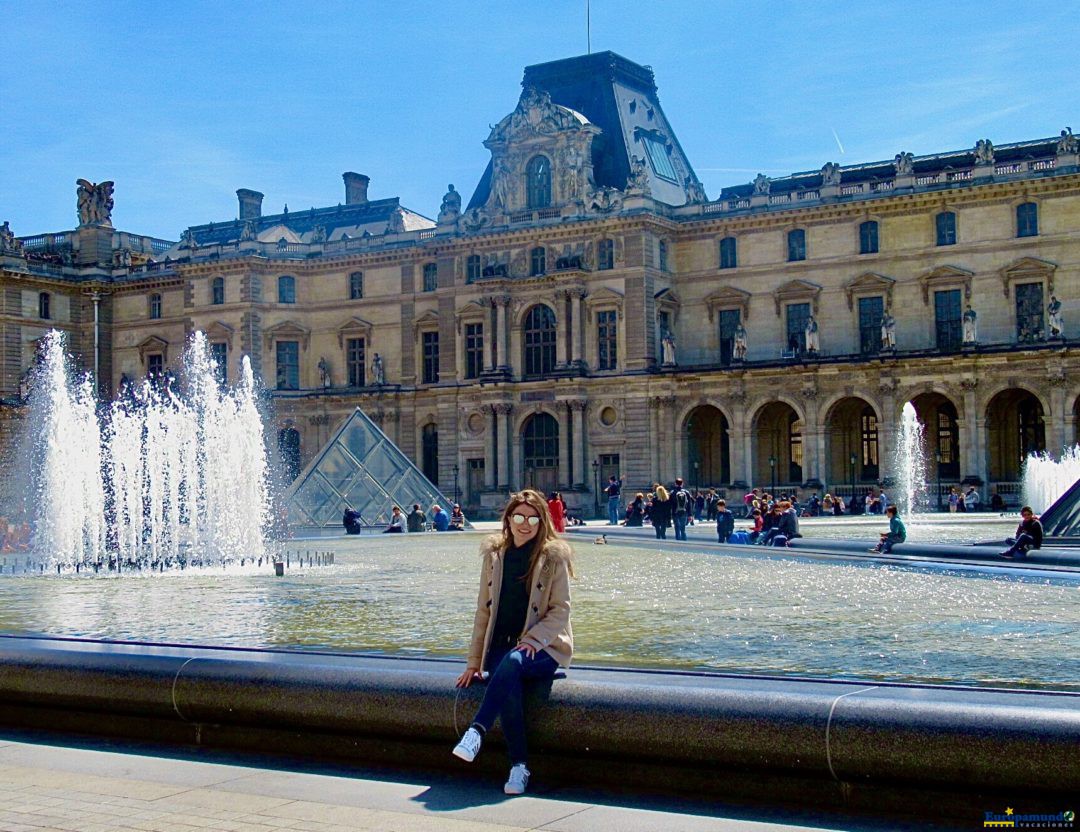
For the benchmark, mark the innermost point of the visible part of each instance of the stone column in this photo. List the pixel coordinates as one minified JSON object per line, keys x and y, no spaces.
{"x":813,"y":437}
{"x":502,"y":311}
{"x":577,"y":321}
{"x":972,"y":434}
{"x":491,"y":438}
{"x":748,"y":455}
{"x":668,"y":440}
{"x":566,"y":437}
{"x":655,"y":437}
{"x":506,"y":473}
{"x":562,"y":327}
{"x":1055,"y":419}
{"x":577,"y":426}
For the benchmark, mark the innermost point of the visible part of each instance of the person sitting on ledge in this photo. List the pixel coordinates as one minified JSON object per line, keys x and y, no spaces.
{"x":351,"y":521}
{"x":1029,"y":535}
{"x":521,"y":629}
{"x":416,"y":519}
{"x":897,"y":532}
{"x":439,"y":518}
{"x":457,"y":519}
{"x":397,"y":522}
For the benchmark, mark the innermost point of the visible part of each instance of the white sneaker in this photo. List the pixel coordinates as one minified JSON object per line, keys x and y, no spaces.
{"x":519,"y":778}
{"x":469,"y":746}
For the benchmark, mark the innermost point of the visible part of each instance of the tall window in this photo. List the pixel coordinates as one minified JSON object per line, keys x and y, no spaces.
{"x":870,"y":313}
{"x":868,"y":237}
{"x":356,"y":361}
{"x":795,"y":449}
{"x":1027,"y":220}
{"x":729,"y":253}
{"x":430,"y":347}
{"x":662,"y":255}
{"x":729,"y":322}
{"x":537,"y":261}
{"x":217,"y":291}
{"x":539,"y":341}
{"x":431,"y":277}
{"x":948,"y":324}
{"x":288,"y":365}
{"x":868,"y":422}
{"x":356,"y":286}
{"x":1029,"y":311}
{"x":472,"y":268}
{"x":474,"y":350}
{"x":540,"y":446}
{"x":538,"y":182}
{"x":155,"y":305}
{"x":797,"y":316}
{"x":429,"y":457}
{"x":945,"y":225}
{"x":796,"y":245}
{"x":219,"y":351}
{"x":607,"y":336}
{"x":605,"y":255}
{"x":155,"y":366}
{"x":289,"y":452}
{"x":44,"y":305}
{"x":286,"y":289}
{"x":948,"y":435}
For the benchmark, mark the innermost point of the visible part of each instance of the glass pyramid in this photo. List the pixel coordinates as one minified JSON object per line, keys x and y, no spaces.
{"x":359,"y":468}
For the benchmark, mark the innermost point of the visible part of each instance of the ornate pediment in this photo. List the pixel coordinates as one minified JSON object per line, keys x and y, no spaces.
{"x":869,"y":283}
{"x":796,"y":291}
{"x":536,"y":115}
{"x":354,"y":328}
{"x":287,"y":331}
{"x":153,"y":346}
{"x":1028,"y":269}
{"x":944,"y":276}
{"x":472,"y":311}
{"x":605,"y":296}
{"x":429,"y":320}
{"x":728,"y":297}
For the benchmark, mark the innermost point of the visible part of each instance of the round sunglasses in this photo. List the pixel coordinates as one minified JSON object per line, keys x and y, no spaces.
{"x":520,"y":519}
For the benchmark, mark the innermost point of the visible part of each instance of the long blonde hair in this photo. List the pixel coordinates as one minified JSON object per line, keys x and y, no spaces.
{"x":661,"y":494}
{"x":545,"y":531}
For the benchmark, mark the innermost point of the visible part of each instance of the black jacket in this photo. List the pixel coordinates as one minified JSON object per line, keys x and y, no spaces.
{"x":1034,"y":528}
{"x":725,"y":522}
{"x":660,"y":513}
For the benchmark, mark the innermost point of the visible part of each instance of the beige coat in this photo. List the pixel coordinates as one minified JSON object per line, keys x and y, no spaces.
{"x":547,"y":625}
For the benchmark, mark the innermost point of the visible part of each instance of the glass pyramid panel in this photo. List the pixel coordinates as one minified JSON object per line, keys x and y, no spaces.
{"x":359,"y":468}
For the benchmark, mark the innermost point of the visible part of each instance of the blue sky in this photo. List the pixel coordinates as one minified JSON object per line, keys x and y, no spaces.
{"x":182,"y":103}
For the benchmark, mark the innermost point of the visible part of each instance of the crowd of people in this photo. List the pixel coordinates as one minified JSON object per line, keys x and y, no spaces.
{"x":415,"y":521}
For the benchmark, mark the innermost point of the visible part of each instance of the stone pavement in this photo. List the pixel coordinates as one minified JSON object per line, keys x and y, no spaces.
{"x":80,"y":789}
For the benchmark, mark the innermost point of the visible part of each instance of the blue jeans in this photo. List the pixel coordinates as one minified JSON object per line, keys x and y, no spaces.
{"x":1020,"y":548}
{"x":503,"y":697}
{"x":679,"y":519}
{"x":613,"y":511}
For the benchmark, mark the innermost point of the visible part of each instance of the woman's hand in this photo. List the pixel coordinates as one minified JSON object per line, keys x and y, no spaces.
{"x":470,"y":675}
{"x":527,"y":649}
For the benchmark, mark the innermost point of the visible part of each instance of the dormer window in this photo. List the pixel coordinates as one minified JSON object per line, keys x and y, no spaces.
{"x":538,"y":182}
{"x":657,"y":150}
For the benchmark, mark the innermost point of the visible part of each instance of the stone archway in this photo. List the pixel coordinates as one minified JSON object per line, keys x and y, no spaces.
{"x":851,"y":432}
{"x":778,"y":446}
{"x":1015,"y":427}
{"x":540,"y":457}
{"x":940,"y":421}
{"x":708,"y":451}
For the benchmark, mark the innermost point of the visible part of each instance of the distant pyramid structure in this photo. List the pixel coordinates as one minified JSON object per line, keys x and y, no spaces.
{"x":359,"y":468}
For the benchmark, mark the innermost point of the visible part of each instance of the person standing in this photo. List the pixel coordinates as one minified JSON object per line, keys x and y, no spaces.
{"x":897,"y":532}
{"x":521,"y":628}
{"x":614,"y":492}
{"x":660,"y":513}
{"x":971,"y":499}
{"x":1029,"y":535}
{"x":725,"y":521}
{"x":558,"y":516}
{"x":681,"y":503}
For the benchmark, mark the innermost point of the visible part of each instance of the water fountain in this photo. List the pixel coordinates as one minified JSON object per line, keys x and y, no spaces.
{"x":910,"y":463}
{"x":166,"y":475}
{"x":1045,"y":478}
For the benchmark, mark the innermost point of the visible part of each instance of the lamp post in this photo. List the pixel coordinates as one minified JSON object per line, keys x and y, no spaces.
{"x":697,"y":475}
{"x":853,"y":459}
{"x":772,"y":468}
{"x":456,"y":498}
{"x":937,"y":457}
{"x":596,"y":487}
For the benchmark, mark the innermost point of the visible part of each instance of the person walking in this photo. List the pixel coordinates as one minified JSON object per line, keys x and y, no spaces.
{"x":614,"y":492}
{"x":558,"y":515}
{"x":897,"y":532}
{"x":681,"y":503}
{"x":521,"y":629}
{"x":725,"y":521}
{"x":1029,"y":535}
{"x":660,"y":513}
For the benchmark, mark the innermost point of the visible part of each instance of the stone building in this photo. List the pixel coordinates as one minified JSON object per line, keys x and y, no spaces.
{"x":590,"y":311}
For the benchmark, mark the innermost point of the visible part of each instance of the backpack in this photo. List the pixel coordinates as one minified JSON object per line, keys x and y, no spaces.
{"x":682,"y":500}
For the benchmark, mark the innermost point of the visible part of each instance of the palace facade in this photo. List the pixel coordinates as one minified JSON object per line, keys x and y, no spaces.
{"x":590,"y":311}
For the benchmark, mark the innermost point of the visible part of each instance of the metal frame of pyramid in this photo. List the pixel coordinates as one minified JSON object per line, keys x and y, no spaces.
{"x":359,"y":467}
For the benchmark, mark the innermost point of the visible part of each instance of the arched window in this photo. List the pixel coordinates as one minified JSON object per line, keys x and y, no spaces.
{"x":540,"y":446}
{"x":217,"y":291}
{"x":44,"y":303}
{"x":729,"y":253}
{"x":155,"y":306}
{"x":431,"y":277}
{"x":796,"y":245}
{"x":945,"y":227}
{"x":539,"y":341}
{"x":430,"y":452}
{"x":869,"y":430}
{"x":868,"y":237}
{"x":538,"y":182}
{"x":356,"y":286}
{"x":537,"y":261}
{"x":605,"y":255}
{"x":289,"y":453}
{"x":1027,"y":220}
{"x":286,"y":289}
{"x":472,"y":268}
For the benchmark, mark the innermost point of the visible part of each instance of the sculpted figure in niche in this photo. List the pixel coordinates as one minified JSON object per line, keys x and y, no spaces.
{"x":667,"y":349}
{"x":378,"y":371}
{"x":888,"y":331}
{"x":971,"y":325}
{"x":1055,"y":325}
{"x":451,"y":205}
{"x":639,"y":176}
{"x":571,"y":172}
{"x":500,"y":184}
{"x":324,"y":373}
{"x":739,"y":351}
{"x":813,"y":344}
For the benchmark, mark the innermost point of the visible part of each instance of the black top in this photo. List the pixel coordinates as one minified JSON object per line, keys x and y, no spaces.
{"x":513,"y":599}
{"x":614,"y":488}
{"x":1034,"y":528}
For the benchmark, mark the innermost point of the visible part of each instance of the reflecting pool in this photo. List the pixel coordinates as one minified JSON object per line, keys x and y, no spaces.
{"x":633,"y":606}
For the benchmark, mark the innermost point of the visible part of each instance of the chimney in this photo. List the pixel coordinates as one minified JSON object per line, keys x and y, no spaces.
{"x":355,"y":188}
{"x":250,"y":203}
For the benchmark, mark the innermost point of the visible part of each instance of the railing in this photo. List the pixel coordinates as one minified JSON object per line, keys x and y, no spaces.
{"x":959,"y":175}
{"x":884,"y":185}
{"x":1003,"y":170}
{"x":804,"y":195}
{"x":779,"y":199}
{"x":426,"y":233}
{"x":932,"y":179}
{"x":521,"y":216}
{"x":1043,"y":164}
{"x":547,"y":213}
{"x":848,"y":190}
{"x":46,"y":241}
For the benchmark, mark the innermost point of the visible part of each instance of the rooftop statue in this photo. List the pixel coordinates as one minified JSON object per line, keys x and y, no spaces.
{"x":7,"y":239}
{"x":95,"y":202}
{"x":904,"y":164}
{"x":984,"y":152}
{"x":451,"y":206}
{"x":761,"y":184}
{"x":830,"y":174}
{"x":1068,"y":143}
